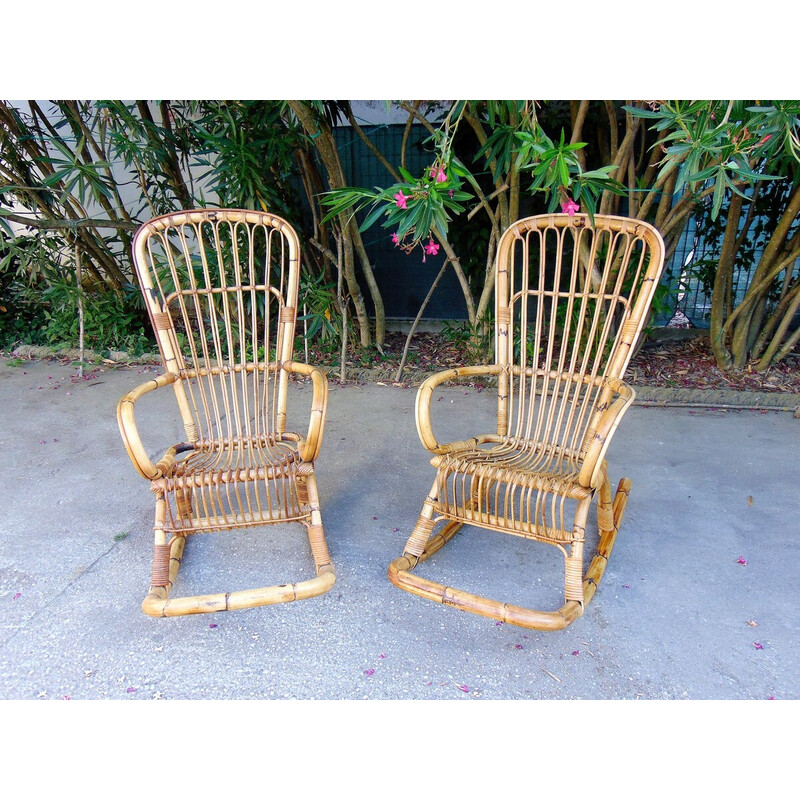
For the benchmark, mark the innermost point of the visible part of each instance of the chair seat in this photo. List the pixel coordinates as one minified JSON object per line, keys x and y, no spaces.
{"x":507,"y":487}
{"x":233,"y":460}
{"x":233,"y":484}
{"x":545,"y":468}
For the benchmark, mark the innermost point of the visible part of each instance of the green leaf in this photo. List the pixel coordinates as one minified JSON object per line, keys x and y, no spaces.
{"x":588,"y":205}
{"x":719,"y":193}
{"x":646,"y":113}
{"x":563,"y":172}
{"x":377,"y":212}
{"x":407,"y":176}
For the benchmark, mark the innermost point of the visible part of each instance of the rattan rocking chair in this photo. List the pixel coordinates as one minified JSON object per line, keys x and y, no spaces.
{"x":571,"y":299}
{"x":221,"y":289}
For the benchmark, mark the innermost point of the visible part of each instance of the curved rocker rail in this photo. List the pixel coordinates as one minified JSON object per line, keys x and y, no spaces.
{"x":400,"y":574}
{"x":159,"y":604}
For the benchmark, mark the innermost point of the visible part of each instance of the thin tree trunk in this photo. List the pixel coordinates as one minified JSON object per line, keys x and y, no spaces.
{"x":323,"y":140}
{"x":79,"y":282}
{"x":414,"y":325}
{"x":748,"y":322}
{"x":724,"y":271}
{"x":578,"y":111}
{"x":774,"y":351}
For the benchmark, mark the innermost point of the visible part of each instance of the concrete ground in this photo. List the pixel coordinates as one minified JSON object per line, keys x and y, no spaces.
{"x":698,"y":601}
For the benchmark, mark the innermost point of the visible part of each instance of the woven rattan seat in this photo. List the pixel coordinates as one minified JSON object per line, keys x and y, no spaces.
{"x":234,"y":483}
{"x":571,"y":298}
{"x":221,"y":288}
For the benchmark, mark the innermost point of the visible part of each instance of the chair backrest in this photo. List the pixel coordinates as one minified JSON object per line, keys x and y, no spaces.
{"x":572,"y":297}
{"x":221,"y":289}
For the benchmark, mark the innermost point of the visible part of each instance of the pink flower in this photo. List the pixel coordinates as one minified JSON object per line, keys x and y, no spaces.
{"x":576,"y":652}
{"x":431,"y":248}
{"x":400,"y":199}
{"x":440,"y":176}
{"x":464,"y":688}
{"x":369,"y":672}
{"x":570,"y":207}
{"x":758,"y":645}
{"x":741,"y":560}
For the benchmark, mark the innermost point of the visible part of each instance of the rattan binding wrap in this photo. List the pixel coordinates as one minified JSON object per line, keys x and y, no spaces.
{"x":221,"y":288}
{"x":572,"y":296}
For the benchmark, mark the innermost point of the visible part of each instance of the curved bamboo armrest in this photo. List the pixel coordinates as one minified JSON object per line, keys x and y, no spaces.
{"x":130,"y":433}
{"x":592,"y":467}
{"x":423,"y":407}
{"x":309,"y":447}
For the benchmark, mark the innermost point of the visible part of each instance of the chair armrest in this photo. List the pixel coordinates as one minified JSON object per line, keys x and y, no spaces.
{"x":423,"y":406}
{"x":130,"y":433}
{"x":309,"y":447}
{"x":606,"y":425}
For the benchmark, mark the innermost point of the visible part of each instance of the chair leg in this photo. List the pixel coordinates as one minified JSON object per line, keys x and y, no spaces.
{"x":168,"y":557}
{"x":609,"y":516}
{"x":162,"y":575}
{"x":316,"y":532}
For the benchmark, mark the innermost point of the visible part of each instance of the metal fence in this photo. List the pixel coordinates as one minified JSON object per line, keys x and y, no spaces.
{"x":690,"y":297}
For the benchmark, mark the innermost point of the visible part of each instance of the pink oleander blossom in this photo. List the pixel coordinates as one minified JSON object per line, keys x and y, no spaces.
{"x":395,"y":239}
{"x":400,"y":199}
{"x":570,"y":207}
{"x":440,"y":176}
{"x":431,"y":248}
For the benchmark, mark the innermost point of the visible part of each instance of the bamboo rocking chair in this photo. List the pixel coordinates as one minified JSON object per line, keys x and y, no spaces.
{"x":571,"y":299}
{"x":221,"y":289}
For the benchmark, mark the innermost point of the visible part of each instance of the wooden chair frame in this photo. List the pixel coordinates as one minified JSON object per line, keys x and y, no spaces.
{"x":571,"y":299}
{"x":221,"y":289}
